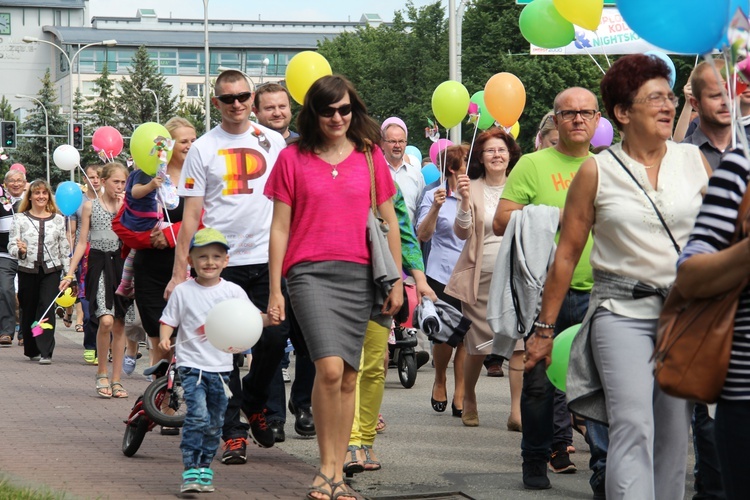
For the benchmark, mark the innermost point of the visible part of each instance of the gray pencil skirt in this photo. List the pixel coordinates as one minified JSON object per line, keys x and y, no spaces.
{"x":332,"y":302}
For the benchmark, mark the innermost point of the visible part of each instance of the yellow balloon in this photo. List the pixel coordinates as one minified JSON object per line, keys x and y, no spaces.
{"x":66,"y":299}
{"x":584,"y":13}
{"x":302,"y":71}
{"x":515,"y":130}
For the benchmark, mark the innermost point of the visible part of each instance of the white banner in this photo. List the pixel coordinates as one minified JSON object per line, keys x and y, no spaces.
{"x":613,"y":36}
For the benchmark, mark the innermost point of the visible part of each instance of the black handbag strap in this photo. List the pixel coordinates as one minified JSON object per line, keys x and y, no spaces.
{"x":658,"y":214}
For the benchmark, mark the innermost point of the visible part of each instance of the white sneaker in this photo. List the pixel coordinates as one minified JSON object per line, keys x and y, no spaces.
{"x":285,"y":375}
{"x":128,"y":365}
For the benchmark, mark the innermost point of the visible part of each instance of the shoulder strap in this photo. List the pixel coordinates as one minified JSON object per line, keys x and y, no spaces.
{"x":373,"y":192}
{"x":658,"y":214}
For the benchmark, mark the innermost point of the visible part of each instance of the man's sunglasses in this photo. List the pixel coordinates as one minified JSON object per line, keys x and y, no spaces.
{"x":230,"y":98}
{"x":330,"y":111}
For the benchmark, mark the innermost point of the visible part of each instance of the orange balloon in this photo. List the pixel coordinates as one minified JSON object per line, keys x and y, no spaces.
{"x":505,"y":98}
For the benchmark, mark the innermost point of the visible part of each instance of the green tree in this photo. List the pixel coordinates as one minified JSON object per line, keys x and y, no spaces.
{"x":103,"y":105}
{"x":194,"y":111}
{"x":396,"y":67}
{"x":6,"y":110}
{"x":31,"y":151}
{"x":137,"y":106}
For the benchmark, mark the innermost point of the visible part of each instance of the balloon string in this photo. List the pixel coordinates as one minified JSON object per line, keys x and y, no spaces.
{"x":44,"y":314}
{"x":89,"y":181}
{"x":471,"y":146}
{"x":604,"y":50}
{"x":595,"y":61}
{"x":445,"y":158}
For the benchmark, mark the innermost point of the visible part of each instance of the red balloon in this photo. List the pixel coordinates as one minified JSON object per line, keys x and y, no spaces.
{"x":108,"y":140}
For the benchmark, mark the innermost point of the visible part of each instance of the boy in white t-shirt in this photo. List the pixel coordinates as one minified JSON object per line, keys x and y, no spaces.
{"x":203,"y":369}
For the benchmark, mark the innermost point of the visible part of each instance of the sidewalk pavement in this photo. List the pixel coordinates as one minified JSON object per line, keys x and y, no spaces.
{"x":61,"y":437}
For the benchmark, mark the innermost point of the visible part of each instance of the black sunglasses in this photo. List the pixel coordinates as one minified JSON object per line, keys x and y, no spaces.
{"x":330,"y":111}
{"x":230,"y":98}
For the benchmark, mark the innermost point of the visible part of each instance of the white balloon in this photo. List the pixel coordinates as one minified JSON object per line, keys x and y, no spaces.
{"x":66,"y":157}
{"x":234,"y":325}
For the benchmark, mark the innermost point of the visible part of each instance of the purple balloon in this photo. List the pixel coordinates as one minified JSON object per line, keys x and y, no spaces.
{"x":437,"y":147}
{"x":603,"y":135}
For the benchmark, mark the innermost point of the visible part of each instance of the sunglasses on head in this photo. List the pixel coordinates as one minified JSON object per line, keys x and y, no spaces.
{"x":330,"y":111}
{"x":230,"y":98}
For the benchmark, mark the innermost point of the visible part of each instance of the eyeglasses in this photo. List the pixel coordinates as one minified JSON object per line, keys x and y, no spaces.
{"x":393,"y":142}
{"x":230,"y":98}
{"x":330,"y":111}
{"x":658,"y":100}
{"x":493,"y":151}
{"x":568,"y":115}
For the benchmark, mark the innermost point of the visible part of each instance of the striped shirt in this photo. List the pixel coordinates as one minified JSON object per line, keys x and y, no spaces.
{"x":713,"y":231}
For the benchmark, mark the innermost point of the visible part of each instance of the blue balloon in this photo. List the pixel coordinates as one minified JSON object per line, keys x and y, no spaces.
{"x":414,"y":151}
{"x":68,"y":197}
{"x":664,"y":57}
{"x":687,"y":26}
{"x":430,"y":173}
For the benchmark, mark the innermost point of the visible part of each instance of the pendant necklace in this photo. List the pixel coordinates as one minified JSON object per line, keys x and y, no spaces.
{"x":334,"y":170}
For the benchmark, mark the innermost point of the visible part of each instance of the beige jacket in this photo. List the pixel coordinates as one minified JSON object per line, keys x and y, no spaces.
{"x":464,"y":282}
{"x":55,"y":249}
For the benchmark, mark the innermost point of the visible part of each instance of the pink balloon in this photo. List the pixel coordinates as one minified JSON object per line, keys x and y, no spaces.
{"x":437,"y":147}
{"x":603,"y":135}
{"x":107,"y":139}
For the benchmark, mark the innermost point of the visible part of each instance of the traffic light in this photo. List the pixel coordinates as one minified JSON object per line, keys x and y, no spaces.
{"x":8,"y":134}
{"x":78,"y":136}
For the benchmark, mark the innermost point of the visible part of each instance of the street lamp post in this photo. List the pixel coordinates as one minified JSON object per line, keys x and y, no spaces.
{"x":46,"y":124}
{"x":107,"y":43}
{"x":157,"y":102}
{"x":207,"y":84}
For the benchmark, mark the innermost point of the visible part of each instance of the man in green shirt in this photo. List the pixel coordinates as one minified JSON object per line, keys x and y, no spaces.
{"x":543,"y":178}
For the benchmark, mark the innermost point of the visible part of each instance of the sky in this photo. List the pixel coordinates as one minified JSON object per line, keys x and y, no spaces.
{"x":269,"y":10}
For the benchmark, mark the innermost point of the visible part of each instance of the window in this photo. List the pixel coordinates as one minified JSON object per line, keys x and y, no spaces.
{"x":92,"y":60}
{"x":194,"y":90}
{"x":226,"y":59}
{"x":119,"y":60}
{"x":191,"y":62}
{"x":165,"y":60}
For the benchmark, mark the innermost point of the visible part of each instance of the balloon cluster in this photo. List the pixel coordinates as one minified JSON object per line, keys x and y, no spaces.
{"x":550,"y":23}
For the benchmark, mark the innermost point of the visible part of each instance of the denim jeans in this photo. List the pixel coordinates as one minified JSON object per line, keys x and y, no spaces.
{"x":538,"y":394}
{"x":732,"y":442}
{"x":707,"y":472}
{"x":251,"y":393}
{"x":300,"y":394}
{"x":206,"y":404}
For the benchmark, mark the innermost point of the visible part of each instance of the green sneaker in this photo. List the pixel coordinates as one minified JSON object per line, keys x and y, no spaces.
{"x":191,"y":481}
{"x":89,"y":356}
{"x":206,"y":480}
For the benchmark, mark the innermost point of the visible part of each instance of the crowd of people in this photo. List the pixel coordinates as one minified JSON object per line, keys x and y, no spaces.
{"x":283,"y":219}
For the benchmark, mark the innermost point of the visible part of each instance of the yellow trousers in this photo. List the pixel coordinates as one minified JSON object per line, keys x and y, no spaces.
{"x":370,"y":385}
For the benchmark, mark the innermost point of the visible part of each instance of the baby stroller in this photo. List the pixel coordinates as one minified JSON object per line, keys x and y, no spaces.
{"x":402,"y":346}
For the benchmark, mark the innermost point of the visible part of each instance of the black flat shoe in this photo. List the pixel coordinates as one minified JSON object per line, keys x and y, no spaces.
{"x":439,"y":406}
{"x":456,"y":411}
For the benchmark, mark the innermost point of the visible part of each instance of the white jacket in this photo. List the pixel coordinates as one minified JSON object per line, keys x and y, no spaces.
{"x":55,"y":248}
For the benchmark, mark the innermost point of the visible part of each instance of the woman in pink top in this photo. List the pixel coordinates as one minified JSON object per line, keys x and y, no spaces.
{"x":320,"y":186}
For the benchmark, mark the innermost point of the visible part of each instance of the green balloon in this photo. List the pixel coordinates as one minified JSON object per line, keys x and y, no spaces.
{"x":557,"y":371}
{"x":543,"y":26}
{"x":142,"y":146}
{"x":450,"y":103}
{"x":485,"y":118}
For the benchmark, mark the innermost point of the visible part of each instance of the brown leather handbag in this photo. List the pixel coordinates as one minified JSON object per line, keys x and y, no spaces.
{"x":694,"y":337}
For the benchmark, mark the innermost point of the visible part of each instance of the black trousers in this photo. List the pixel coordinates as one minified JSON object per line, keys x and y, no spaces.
{"x":251,"y":393}
{"x":35,"y":293}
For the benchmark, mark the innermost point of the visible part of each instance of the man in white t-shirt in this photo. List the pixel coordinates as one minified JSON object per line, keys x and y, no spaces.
{"x":408,"y":177}
{"x":224,"y":175}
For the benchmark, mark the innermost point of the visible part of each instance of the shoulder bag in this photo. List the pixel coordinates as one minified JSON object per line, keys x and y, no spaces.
{"x":694,"y":337}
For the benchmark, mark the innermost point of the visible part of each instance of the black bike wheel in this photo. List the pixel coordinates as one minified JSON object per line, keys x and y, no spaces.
{"x":162,"y":406}
{"x":407,"y":370}
{"x":135,"y":431}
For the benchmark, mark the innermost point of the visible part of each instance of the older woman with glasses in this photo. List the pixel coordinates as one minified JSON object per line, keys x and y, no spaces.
{"x":320,"y":188}
{"x":495,"y":154}
{"x":640,"y":198}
